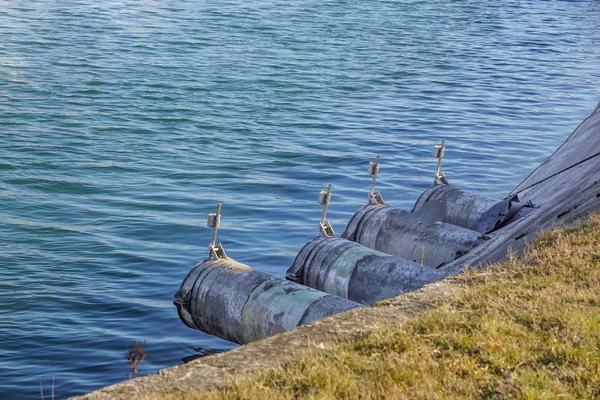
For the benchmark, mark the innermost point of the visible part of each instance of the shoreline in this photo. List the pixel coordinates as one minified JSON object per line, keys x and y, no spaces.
{"x":484,"y":316}
{"x":562,"y":187}
{"x":219,"y":370}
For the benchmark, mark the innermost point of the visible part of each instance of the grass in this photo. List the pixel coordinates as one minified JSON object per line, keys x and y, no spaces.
{"x":528,"y":328}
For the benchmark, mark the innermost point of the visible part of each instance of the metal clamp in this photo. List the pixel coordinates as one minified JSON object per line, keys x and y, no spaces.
{"x":214,"y":220}
{"x":374,"y":195}
{"x":325,"y":228}
{"x":439,"y":178}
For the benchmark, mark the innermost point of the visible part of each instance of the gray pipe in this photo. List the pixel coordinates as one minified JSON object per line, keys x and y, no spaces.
{"x":460,"y":207}
{"x":237,"y":303}
{"x":358,"y":273}
{"x":417,"y":236}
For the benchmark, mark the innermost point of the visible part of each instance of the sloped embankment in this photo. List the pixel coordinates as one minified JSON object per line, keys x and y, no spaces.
{"x":528,"y":327}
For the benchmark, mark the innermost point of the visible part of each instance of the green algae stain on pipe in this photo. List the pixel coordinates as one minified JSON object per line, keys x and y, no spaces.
{"x":337,"y":278}
{"x":357,"y":273}
{"x":276,"y":306}
{"x":238,"y":303}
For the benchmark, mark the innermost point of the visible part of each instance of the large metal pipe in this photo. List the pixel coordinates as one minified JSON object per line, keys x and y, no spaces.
{"x":417,"y":236}
{"x":460,"y":207}
{"x":238,"y":303}
{"x":358,"y":273}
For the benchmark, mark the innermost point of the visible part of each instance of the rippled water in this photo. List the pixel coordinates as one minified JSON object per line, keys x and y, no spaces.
{"x":122,"y":123}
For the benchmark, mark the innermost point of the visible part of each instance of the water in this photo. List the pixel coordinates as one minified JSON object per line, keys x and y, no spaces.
{"x":123,"y":123}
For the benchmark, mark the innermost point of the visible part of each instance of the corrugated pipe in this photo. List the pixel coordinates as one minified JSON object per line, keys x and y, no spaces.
{"x":237,"y":303}
{"x":460,"y":207}
{"x":358,"y":273}
{"x":417,"y":236}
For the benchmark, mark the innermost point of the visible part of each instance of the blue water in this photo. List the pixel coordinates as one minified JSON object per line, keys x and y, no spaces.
{"x":123,"y":123}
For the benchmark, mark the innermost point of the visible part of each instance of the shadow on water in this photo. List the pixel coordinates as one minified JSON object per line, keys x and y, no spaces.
{"x":201,"y":352}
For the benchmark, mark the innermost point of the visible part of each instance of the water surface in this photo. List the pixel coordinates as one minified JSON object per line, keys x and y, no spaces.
{"x":123,"y":123}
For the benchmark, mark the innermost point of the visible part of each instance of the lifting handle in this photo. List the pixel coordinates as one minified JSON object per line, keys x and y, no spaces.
{"x":214,"y":221}
{"x":374,"y":195}
{"x":439,"y":178}
{"x":325,"y":228}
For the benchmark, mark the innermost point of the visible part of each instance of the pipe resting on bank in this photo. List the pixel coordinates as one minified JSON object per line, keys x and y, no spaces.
{"x":419,"y":236}
{"x":459,"y":207}
{"x":238,"y":303}
{"x":358,"y":273}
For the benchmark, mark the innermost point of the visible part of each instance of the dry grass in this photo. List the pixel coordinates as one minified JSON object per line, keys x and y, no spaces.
{"x":528,"y":328}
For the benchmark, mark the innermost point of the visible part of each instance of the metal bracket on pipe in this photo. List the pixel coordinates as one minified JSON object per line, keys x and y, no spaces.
{"x":215,"y":251}
{"x":374,"y":195}
{"x":325,"y":228}
{"x":439,"y":178}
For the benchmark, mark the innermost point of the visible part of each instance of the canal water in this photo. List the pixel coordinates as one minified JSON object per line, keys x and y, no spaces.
{"x":124,"y":122}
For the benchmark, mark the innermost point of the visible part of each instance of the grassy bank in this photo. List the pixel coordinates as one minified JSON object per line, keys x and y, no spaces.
{"x":526,"y":328}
